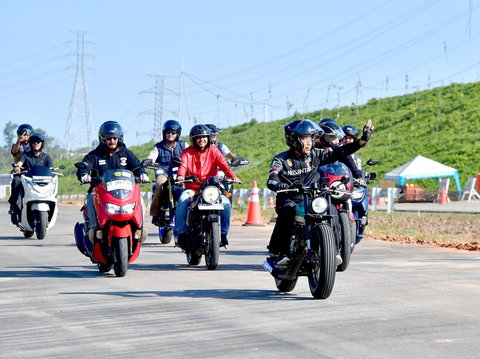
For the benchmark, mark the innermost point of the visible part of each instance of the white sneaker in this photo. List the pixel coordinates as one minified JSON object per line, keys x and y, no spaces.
{"x":283,"y":262}
{"x":338,"y":260}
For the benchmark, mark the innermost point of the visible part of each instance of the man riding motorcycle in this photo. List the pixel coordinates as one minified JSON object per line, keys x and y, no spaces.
{"x":299,"y":165}
{"x":202,"y":161}
{"x":111,"y":153}
{"x":34,"y":157}
{"x":162,"y":153}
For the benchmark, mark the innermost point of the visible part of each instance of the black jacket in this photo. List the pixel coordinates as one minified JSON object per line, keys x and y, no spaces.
{"x":102,"y":161}
{"x":303,"y":169}
{"x":29,"y":160}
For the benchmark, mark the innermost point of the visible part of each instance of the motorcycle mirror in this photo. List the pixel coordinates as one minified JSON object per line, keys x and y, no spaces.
{"x":372,"y":162}
{"x":61,"y":167}
{"x":176,"y":161}
{"x":345,"y":179}
{"x":372,"y":176}
{"x":147,"y":162}
{"x":82,"y":165}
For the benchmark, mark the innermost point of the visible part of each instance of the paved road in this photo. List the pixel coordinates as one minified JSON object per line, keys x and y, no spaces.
{"x":394,"y":301}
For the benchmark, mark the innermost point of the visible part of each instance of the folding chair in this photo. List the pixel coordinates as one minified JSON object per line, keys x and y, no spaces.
{"x":469,"y":190}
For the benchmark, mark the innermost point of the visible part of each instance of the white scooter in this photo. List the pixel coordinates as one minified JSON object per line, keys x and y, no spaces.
{"x":38,"y":203}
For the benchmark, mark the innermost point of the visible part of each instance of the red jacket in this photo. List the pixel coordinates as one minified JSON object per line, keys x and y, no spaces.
{"x":203,"y":164}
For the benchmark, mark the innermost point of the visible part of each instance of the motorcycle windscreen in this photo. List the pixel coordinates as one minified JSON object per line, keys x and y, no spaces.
{"x":40,"y":174}
{"x":334,"y":169}
{"x":119,"y":183}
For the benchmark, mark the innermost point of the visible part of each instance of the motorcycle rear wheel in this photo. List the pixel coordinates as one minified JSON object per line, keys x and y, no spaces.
{"x":321,"y":275}
{"x":104,"y":268}
{"x":212,"y":252}
{"x":167,"y":235}
{"x":120,"y":265}
{"x":40,"y":219}
{"x":286,"y":285}
{"x":193,"y":259}
{"x":345,"y":240}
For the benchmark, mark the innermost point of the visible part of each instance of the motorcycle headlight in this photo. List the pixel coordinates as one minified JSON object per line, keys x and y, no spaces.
{"x":319,"y":205}
{"x":115,"y":209}
{"x":211,"y":194}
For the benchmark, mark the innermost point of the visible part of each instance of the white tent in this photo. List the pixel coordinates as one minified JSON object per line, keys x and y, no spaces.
{"x":420,"y":168}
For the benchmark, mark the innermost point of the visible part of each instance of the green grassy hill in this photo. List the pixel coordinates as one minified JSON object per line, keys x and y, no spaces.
{"x":442,"y":124}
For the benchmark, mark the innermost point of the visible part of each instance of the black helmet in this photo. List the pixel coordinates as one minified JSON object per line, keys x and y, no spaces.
{"x":350,"y":130}
{"x":25,"y":128}
{"x":214,"y":130}
{"x":172,"y":125}
{"x":297,"y":128}
{"x":332,"y":133}
{"x":37,"y":137}
{"x":197,"y":131}
{"x":110,"y":129}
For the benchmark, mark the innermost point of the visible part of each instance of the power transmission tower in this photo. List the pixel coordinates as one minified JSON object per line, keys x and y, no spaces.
{"x":157,"y":112}
{"x":79,"y":130}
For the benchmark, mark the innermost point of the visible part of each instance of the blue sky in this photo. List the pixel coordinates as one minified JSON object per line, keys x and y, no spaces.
{"x":240,"y":58}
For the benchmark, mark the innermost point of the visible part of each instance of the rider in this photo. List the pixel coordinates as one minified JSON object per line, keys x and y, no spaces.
{"x":214,"y":131}
{"x":22,"y":145}
{"x":162,"y":153}
{"x":202,"y":161}
{"x":111,"y":153}
{"x":351,"y":134}
{"x":34,"y":157}
{"x":334,"y":136}
{"x":299,"y":166}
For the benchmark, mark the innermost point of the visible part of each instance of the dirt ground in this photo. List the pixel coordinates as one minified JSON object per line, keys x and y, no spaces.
{"x":460,"y":231}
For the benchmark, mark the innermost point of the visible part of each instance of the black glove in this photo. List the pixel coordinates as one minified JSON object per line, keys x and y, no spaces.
{"x":281,"y":186}
{"x":367,"y":133}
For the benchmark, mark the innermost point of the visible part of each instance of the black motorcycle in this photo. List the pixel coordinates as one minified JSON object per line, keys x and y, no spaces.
{"x":312,"y":246}
{"x":168,"y":203}
{"x":204,"y":222}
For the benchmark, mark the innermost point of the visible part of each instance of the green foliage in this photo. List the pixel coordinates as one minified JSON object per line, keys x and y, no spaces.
{"x":442,"y":124}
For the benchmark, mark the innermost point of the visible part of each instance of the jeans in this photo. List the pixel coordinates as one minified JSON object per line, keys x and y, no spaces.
{"x":182,"y":208}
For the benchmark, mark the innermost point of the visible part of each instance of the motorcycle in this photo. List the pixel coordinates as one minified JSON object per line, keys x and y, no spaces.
{"x":340,"y":177}
{"x":312,"y":246}
{"x":119,"y":207}
{"x":38,"y":202}
{"x":204,"y":221}
{"x":360,"y":201}
{"x":168,"y":202}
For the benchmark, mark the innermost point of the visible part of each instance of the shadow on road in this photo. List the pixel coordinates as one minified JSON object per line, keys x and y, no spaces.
{"x":239,"y":294}
{"x":51,"y":272}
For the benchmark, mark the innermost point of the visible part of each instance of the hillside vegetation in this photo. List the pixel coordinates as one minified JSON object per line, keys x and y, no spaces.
{"x":442,"y":124}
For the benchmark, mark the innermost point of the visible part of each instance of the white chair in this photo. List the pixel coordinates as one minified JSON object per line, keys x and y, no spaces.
{"x":469,"y":191}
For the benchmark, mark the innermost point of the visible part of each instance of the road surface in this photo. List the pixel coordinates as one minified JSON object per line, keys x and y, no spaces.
{"x":394,"y":301}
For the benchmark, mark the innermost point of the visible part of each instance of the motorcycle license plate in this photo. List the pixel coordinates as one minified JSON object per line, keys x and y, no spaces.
{"x":208,"y":206}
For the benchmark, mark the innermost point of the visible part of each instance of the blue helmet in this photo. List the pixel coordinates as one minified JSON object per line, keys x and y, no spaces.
{"x":297,"y":128}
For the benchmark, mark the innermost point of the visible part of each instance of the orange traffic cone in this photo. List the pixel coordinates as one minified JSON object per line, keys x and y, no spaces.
{"x":254,"y":218}
{"x":271,"y":202}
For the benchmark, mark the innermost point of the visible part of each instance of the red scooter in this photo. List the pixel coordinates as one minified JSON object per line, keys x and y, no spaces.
{"x":118,"y":236}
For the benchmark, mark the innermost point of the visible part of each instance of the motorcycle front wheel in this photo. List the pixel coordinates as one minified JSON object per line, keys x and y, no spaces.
{"x":120,"y":265}
{"x":40,"y":219}
{"x":212,"y":252}
{"x":321,"y":274}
